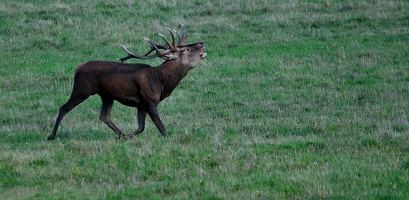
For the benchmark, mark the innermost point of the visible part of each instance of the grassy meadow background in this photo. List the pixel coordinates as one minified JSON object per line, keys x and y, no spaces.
{"x":296,"y":100}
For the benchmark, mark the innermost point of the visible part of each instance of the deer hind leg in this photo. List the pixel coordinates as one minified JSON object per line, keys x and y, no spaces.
{"x":67,"y":107}
{"x":141,"y":123}
{"x":107,"y":104}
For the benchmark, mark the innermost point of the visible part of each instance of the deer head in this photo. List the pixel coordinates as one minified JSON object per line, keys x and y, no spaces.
{"x":186,"y":55}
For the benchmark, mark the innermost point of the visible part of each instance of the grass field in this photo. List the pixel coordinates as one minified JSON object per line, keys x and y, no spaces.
{"x":296,"y":100}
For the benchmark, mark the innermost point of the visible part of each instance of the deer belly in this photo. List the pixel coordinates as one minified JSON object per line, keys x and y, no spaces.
{"x":132,"y":102}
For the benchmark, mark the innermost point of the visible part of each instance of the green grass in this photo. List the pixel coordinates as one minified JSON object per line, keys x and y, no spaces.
{"x":296,"y":100}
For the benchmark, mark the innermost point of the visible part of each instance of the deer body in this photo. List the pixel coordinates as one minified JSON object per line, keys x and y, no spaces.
{"x":134,"y":85}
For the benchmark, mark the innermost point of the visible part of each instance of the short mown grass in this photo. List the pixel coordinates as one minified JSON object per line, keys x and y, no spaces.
{"x":296,"y":100}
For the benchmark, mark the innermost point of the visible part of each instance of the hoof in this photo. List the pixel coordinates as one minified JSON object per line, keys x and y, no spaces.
{"x":123,"y":138}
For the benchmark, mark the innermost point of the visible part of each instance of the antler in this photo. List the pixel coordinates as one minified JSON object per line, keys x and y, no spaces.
{"x":153,"y":46}
{"x":182,"y":39}
{"x":145,"y":57}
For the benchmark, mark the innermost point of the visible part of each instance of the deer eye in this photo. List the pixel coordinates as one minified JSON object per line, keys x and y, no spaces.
{"x":182,"y":50}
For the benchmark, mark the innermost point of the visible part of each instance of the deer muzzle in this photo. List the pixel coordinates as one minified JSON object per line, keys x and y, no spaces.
{"x":203,"y":54}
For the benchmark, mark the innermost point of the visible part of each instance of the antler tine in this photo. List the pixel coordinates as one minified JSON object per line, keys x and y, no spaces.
{"x":177,"y":34}
{"x":157,"y":47}
{"x":164,"y":38}
{"x":182,"y":40}
{"x":151,"y":44}
{"x":165,"y":47}
{"x":150,"y":50}
{"x":173,"y":37}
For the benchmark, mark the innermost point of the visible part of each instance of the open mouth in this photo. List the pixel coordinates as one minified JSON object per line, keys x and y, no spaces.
{"x":202,"y":54}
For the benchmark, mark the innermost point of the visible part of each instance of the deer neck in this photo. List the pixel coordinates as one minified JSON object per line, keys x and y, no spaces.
{"x":171,"y":73}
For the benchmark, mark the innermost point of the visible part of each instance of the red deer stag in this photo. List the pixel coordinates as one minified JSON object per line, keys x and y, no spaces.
{"x":135,"y":85}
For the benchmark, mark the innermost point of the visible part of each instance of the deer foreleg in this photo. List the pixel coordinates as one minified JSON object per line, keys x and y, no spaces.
{"x":153,"y":113}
